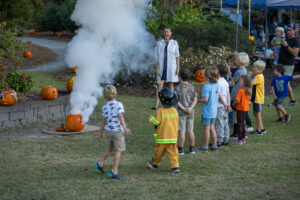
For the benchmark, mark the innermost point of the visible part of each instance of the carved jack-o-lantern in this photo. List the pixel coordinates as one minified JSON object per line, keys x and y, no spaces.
{"x":27,"y":54}
{"x":200,"y":75}
{"x":74,"y":122}
{"x":49,"y":93}
{"x":8,"y":97}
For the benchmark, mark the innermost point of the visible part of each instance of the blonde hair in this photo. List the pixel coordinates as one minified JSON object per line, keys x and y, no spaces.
{"x":243,"y":59}
{"x":109,"y":92}
{"x":212,"y":74}
{"x":260,"y":64}
{"x":247,"y":85}
{"x":281,"y":30}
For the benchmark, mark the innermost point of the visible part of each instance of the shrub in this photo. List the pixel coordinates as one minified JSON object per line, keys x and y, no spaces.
{"x":19,"y":82}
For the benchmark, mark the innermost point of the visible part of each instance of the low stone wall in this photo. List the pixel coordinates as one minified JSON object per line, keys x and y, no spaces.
{"x":23,"y":113}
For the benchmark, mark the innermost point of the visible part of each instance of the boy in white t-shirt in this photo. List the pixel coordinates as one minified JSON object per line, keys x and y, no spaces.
{"x":222,"y":127}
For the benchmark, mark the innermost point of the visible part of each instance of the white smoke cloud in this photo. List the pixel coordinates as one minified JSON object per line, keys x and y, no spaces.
{"x":112,"y":33}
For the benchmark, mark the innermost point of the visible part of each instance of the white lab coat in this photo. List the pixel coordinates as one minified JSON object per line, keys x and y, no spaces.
{"x":173,"y":53}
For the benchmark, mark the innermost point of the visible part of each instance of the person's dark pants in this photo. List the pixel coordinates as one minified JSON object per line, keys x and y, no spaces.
{"x":241,"y":119}
{"x":248,"y":120}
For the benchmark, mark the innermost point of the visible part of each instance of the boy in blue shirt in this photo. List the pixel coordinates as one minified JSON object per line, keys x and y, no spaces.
{"x":280,"y":91}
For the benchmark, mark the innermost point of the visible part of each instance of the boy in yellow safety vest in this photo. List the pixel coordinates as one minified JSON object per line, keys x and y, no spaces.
{"x":166,"y":122}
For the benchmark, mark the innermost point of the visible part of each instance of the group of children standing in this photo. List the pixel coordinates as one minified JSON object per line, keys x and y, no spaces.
{"x":225,"y":92}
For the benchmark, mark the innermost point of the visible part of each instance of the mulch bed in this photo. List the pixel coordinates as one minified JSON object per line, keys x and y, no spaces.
{"x":66,"y":36}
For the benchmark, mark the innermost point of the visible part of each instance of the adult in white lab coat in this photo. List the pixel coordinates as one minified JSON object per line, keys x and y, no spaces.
{"x":167,"y":62}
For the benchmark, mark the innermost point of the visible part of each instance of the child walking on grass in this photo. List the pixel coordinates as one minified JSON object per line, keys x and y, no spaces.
{"x":114,"y":125}
{"x":280,"y":91}
{"x":241,"y":104}
{"x":210,"y":97}
{"x":166,"y":123}
{"x":187,"y":99}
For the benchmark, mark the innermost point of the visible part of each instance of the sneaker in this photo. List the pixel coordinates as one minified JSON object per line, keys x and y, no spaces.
{"x":192,"y":150}
{"x":219,"y":144}
{"x":238,"y":142}
{"x":213,"y":148}
{"x":115,"y":176}
{"x":287,"y":118}
{"x":151,"y":166}
{"x":232,"y":136}
{"x":225,"y":143}
{"x":271,"y":104}
{"x":249,"y":129}
{"x":154,"y":108}
{"x":257,"y":133}
{"x":244,"y":141}
{"x":99,"y":167}
{"x":292,"y":103}
{"x":175,"y":170}
{"x":202,"y":149}
{"x":263,"y":131}
{"x":180,"y":151}
{"x":280,"y":119}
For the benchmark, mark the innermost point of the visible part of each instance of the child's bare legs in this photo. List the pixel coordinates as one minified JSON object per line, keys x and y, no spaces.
{"x":206,"y":135}
{"x":191,"y":137}
{"x":116,"y":162}
{"x":259,"y":123}
{"x":213,"y":134}
{"x":291,"y":94}
{"x":181,"y":138}
{"x":103,"y":158}
{"x":159,"y":87}
{"x":280,"y":110}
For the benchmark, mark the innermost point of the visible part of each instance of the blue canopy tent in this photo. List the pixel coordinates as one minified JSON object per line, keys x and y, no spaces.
{"x":259,"y":4}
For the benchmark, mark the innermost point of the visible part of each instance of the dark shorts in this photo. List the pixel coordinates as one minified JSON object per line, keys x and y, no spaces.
{"x":257,"y":107}
{"x":279,"y":101}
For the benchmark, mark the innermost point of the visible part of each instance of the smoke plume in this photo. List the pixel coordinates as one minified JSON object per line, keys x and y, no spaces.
{"x":112,"y":34}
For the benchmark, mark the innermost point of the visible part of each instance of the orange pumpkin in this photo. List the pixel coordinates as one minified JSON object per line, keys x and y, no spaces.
{"x":70,"y":84}
{"x":200,"y":75}
{"x":8,"y":97}
{"x":3,"y":23}
{"x":59,"y":34}
{"x":74,"y":122}
{"x":49,"y":93}
{"x":251,"y":37}
{"x":32,"y":31}
{"x":73,"y":69}
{"x":29,"y":42}
{"x":27,"y":54}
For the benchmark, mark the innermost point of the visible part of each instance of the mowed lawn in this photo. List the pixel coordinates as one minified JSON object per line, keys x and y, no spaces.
{"x":266,"y":167}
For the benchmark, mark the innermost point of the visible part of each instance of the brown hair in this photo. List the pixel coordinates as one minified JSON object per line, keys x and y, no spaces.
{"x":247,"y":84}
{"x":279,"y":68}
{"x":109,"y":92}
{"x":223,"y":70}
{"x":212,"y":74}
{"x":230,"y":58}
{"x":185,"y":74}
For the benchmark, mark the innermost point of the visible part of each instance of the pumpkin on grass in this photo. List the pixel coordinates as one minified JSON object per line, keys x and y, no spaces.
{"x":200,"y":75}
{"x":70,"y":84}
{"x":49,"y":93}
{"x":8,"y":97}
{"x":27,"y":54}
{"x":74,"y":122}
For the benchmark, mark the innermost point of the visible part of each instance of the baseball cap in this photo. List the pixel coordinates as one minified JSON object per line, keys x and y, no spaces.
{"x":290,"y":27}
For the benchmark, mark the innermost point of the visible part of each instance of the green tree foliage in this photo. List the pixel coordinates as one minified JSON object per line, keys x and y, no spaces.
{"x":20,"y":13}
{"x":57,"y":17}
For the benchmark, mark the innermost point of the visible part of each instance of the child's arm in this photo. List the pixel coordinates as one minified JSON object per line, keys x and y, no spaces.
{"x":228,"y":108}
{"x":203,"y":100}
{"x":273,"y":93}
{"x":190,"y":109}
{"x":123,"y":124}
{"x":235,"y":102}
{"x":182,"y":107}
{"x":296,"y":76}
{"x":102,"y":124}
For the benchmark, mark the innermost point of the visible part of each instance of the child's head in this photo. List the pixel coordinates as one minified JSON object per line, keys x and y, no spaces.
{"x":245,"y":82}
{"x":278,"y":70}
{"x":185,"y":74}
{"x":223,"y":70}
{"x":230,"y":60}
{"x":243,"y":59}
{"x":168,"y":98}
{"x":110,"y":92}
{"x":258,"y":67}
{"x":212,"y":74}
{"x":279,"y":31}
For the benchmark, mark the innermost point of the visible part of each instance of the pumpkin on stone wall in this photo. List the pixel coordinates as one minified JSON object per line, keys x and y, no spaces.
{"x":49,"y":93}
{"x":70,"y":84}
{"x":8,"y":97}
{"x":200,"y":75}
{"x":27,"y":54}
{"x":74,"y":122}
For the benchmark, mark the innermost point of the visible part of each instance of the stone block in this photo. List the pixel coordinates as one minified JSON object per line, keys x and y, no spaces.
{"x":11,"y":123}
{"x":54,"y":109}
{"x":28,"y":113}
{"x":4,"y":116}
{"x":17,"y":115}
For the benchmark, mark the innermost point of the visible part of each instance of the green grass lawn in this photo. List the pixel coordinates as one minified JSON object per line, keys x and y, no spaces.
{"x":45,"y":79}
{"x":266,"y":167}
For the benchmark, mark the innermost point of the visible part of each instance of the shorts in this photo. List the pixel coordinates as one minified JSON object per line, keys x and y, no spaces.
{"x":208,"y":121}
{"x":279,"y":101}
{"x":186,"y":122}
{"x":257,"y":107}
{"x":288,"y":69}
{"x":115,"y":140}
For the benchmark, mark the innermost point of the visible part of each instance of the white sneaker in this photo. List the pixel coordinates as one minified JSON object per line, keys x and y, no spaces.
{"x":249,"y":129}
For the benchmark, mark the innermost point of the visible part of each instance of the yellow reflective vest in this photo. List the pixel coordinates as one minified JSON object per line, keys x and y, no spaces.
{"x":166,"y":120}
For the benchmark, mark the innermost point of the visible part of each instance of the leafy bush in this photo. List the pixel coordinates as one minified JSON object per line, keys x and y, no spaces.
{"x":19,"y":82}
{"x":10,"y":43}
{"x":57,"y":17}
